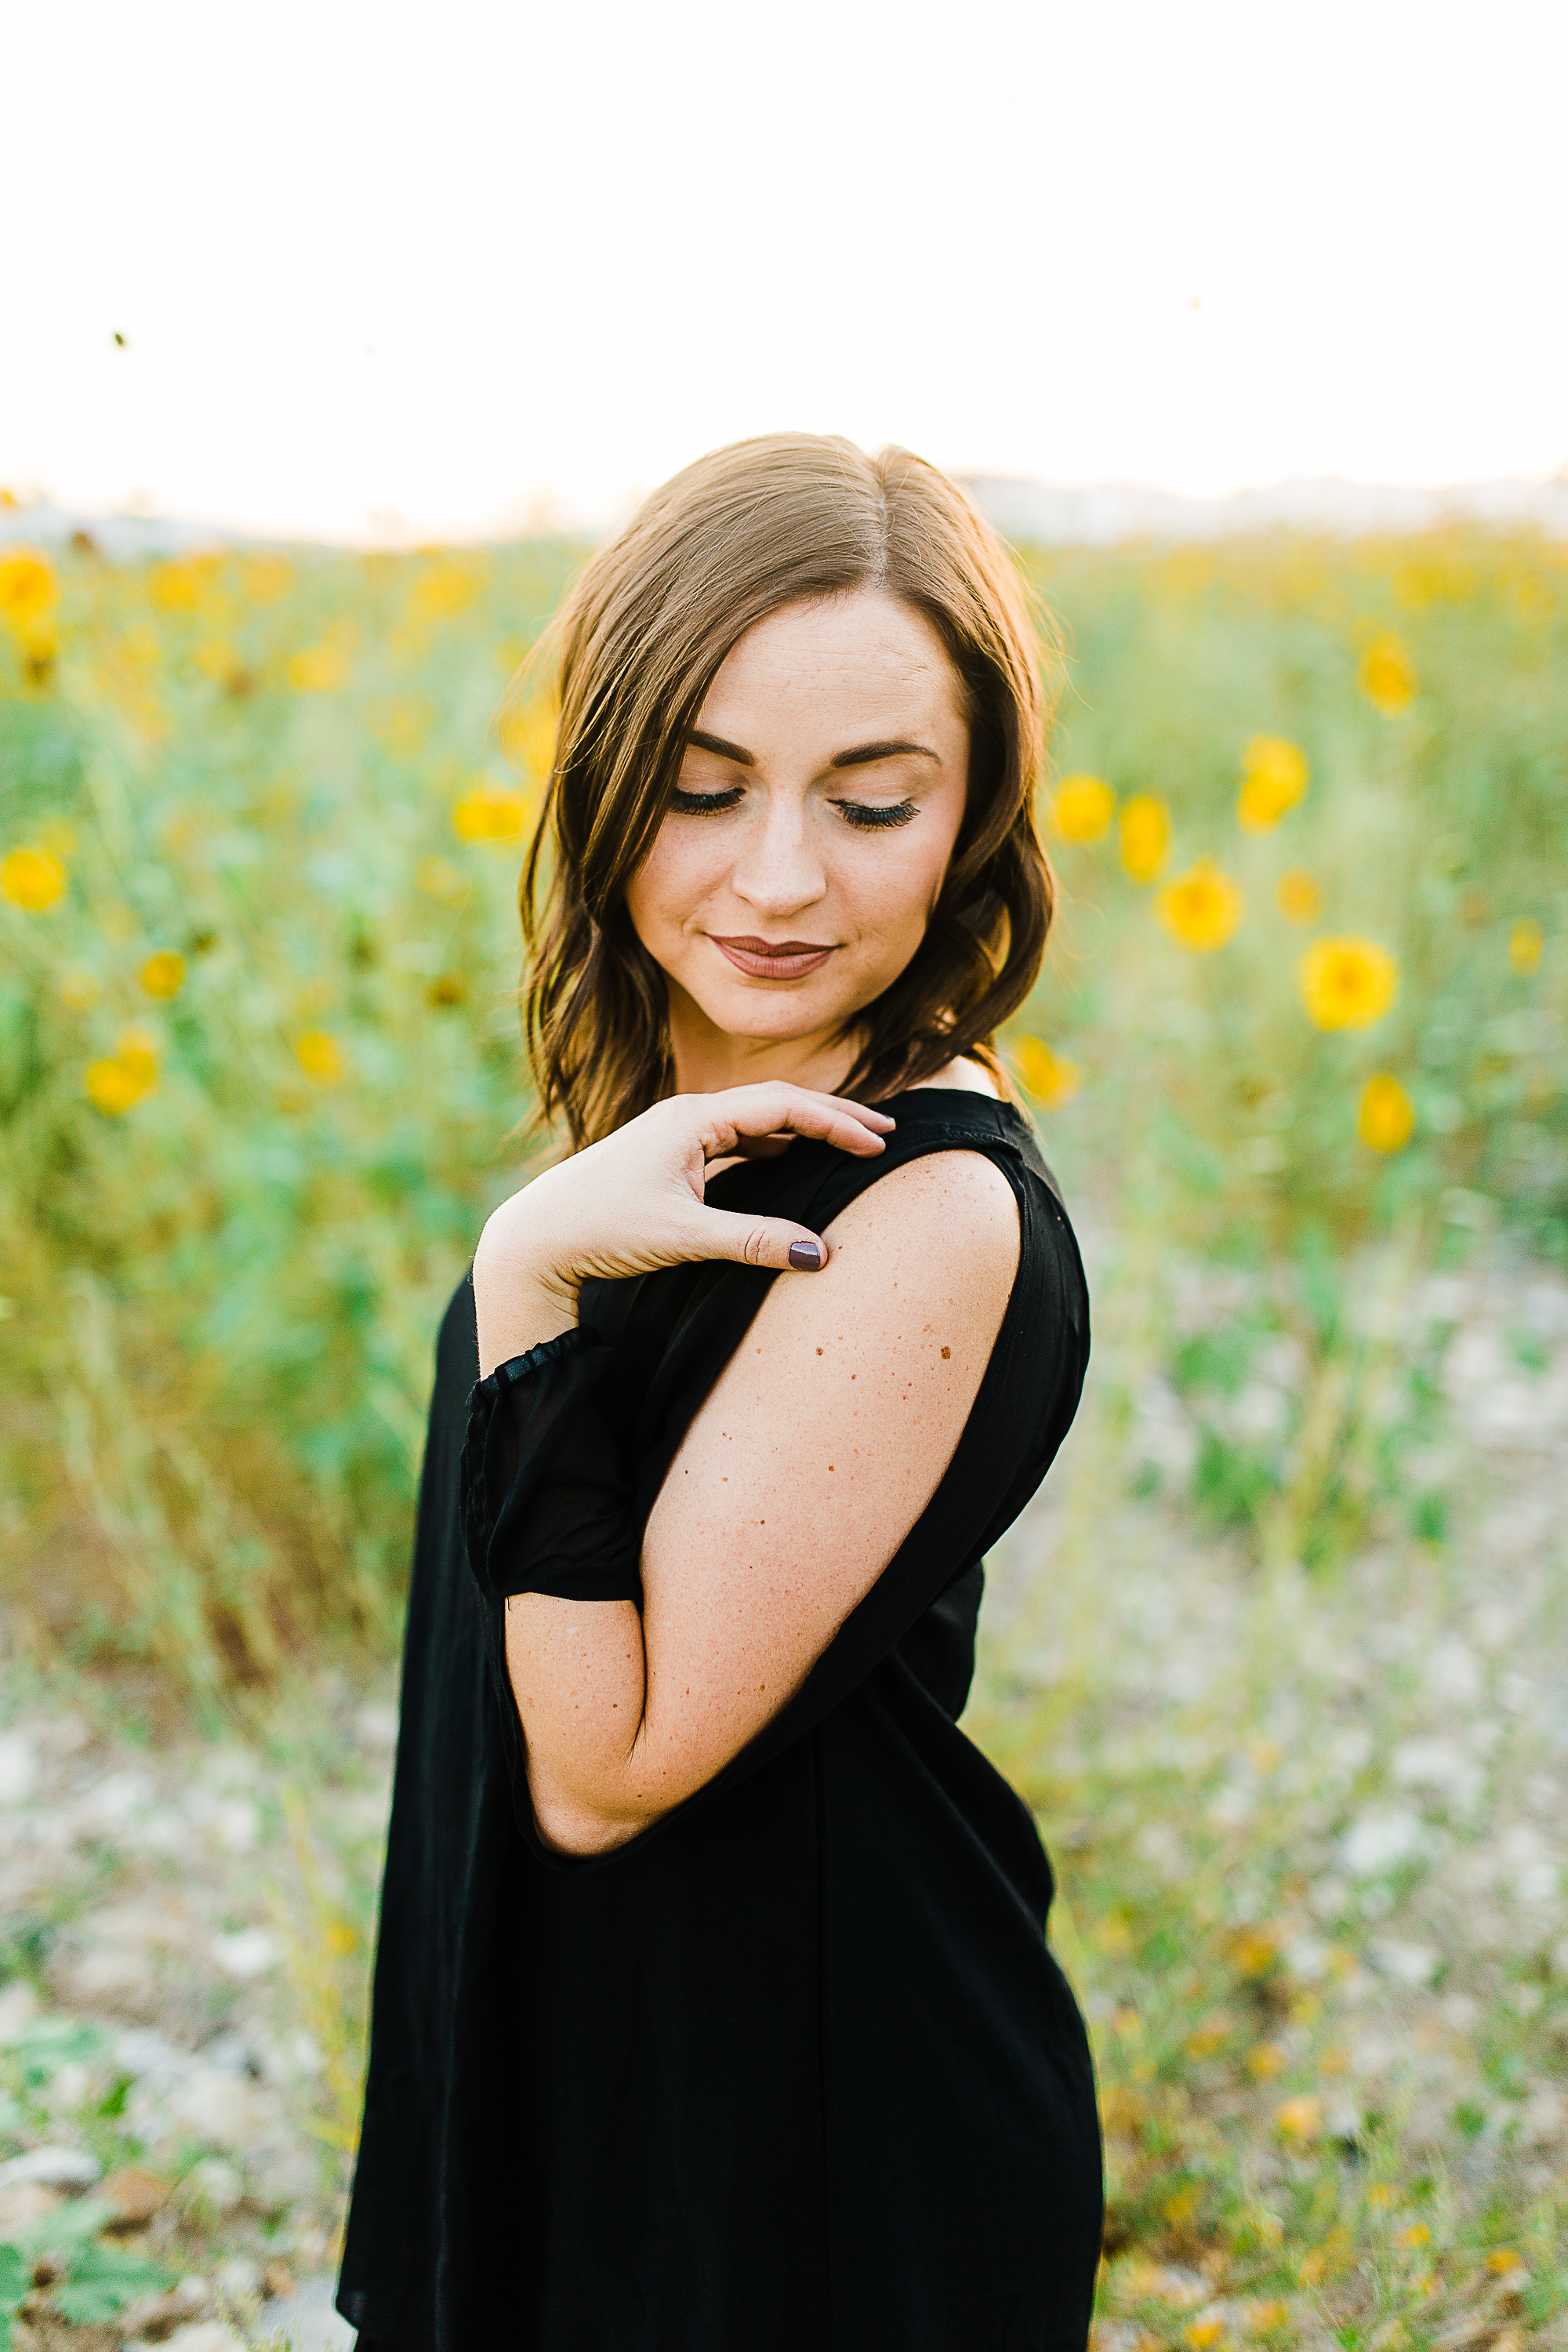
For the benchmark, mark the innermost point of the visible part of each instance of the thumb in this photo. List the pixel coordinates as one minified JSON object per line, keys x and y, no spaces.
{"x":763,"y":1241}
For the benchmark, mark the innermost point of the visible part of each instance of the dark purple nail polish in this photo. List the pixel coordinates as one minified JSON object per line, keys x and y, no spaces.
{"x":805,"y":1256}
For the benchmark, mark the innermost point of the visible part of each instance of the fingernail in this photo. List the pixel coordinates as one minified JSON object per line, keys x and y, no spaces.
{"x":805,"y":1256}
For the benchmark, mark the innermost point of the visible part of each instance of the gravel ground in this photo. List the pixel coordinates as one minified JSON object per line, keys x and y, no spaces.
{"x":1361,"y":1771}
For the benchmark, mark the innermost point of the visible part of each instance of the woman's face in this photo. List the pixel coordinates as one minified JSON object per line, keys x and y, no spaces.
{"x":819,"y":799}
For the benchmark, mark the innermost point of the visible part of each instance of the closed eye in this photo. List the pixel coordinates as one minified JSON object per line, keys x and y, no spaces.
{"x":869,"y":816}
{"x":687,"y":804}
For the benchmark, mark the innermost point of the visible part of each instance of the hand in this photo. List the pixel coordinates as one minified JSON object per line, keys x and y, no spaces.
{"x":636,"y":1201}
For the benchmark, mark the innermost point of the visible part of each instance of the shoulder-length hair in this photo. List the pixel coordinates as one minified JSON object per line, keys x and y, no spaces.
{"x":635,"y":649}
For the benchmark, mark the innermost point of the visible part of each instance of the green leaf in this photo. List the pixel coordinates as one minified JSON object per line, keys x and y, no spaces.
{"x":102,"y":2279}
{"x":15,"y":2276}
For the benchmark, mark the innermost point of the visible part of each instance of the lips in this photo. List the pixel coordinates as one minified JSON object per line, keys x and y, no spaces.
{"x":773,"y":959}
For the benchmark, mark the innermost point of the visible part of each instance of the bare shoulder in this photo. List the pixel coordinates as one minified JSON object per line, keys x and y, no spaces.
{"x":964,"y":1076}
{"x":934,"y":1242}
{"x":951,"y":1209}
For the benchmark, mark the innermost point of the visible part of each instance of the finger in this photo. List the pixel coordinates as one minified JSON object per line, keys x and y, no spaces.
{"x":764,"y":1110}
{"x":771,"y":1242}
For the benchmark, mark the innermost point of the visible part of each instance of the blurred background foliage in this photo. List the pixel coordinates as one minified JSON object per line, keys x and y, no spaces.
{"x":260,"y":816}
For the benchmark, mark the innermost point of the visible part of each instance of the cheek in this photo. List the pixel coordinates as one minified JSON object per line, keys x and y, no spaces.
{"x":667,"y":884}
{"x":900,"y":881}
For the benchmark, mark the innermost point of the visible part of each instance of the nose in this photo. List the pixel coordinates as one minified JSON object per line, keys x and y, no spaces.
{"x":778,"y":871}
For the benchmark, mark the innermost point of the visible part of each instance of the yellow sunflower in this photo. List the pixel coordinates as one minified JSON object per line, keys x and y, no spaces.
{"x":1145,"y":836}
{"x":33,"y":880}
{"x":1524,"y":945}
{"x":1385,"y":1118}
{"x":491,"y":812}
{"x":1387,"y":675}
{"x":28,"y":586}
{"x":120,"y":1079}
{"x":320,"y":1056}
{"x":162,"y":973}
{"x":1201,"y":908}
{"x":1274,"y":778}
{"x":1049,"y":1076}
{"x":1348,"y":983}
{"x":1082,"y":808}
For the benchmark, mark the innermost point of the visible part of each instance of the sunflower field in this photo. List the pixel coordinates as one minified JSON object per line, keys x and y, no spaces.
{"x":260,"y":816}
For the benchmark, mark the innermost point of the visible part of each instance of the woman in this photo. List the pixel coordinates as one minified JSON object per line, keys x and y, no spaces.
{"x":712,"y":2010}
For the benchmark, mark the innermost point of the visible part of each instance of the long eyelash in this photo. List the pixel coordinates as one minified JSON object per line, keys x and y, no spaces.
{"x":868,"y":819}
{"x":703,"y":803}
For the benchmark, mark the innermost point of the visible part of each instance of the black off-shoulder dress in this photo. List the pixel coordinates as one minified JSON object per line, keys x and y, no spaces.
{"x":794,"y":2070}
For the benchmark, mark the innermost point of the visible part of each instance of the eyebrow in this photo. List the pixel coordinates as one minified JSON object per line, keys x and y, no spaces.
{"x":860,"y":756}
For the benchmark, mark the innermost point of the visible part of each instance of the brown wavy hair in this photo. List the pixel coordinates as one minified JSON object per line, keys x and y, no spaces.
{"x":634,"y":650}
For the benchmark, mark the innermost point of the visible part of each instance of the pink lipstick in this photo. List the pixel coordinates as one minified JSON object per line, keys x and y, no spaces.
{"x":773,"y":959}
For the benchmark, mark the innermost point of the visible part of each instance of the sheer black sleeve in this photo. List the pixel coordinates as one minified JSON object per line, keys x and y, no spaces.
{"x":546,"y":1504}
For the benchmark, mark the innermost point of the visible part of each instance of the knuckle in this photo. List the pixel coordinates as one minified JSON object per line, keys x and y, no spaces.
{"x":755,"y":1247}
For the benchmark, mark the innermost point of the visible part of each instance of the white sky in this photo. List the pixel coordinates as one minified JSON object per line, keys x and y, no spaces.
{"x":390,"y":271}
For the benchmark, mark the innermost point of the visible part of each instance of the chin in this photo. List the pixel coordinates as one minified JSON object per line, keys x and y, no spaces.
{"x":776,"y":1019}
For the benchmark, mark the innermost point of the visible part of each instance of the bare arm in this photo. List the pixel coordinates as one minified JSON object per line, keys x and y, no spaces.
{"x":820,"y":1445}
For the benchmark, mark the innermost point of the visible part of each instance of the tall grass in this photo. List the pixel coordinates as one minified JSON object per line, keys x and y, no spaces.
{"x":258,"y":1053}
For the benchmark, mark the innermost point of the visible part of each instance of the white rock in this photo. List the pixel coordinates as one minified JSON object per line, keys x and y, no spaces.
{"x":1261,"y":1411}
{"x":1543,"y":2118}
{"x":1161,"y":1432}
{"x":18,"y":2007}
{"x":235,"y":2052}
{"x":154,"y":1926}
{"x":238,"y":2281}
{"x":376,"y":1726}
{"x":23,"y":2206}
{"x":1232,"y":1807}
{"x":114,"y":1975}
{"x":1407,"y":1964}
{"x":141,"y":2052}
{"x":308,"y":2321}
{"x":215,"y":2182}
{"x":1307,"y":1958}
{"x":1453,"y":1674}
{"x":61,"y":1735}
{"x":1440,"y":1765}
{"x":218,"y":2106}
{"x":303,"y":2056}
{"x":235,"y":1822}
{"x":203,"y":2336}
{"x":18,"y":1766}
{"x":1158,"y":1843}
{"x":283,"y":2170}
{"x":1380,"y":1838}
{"x":248,"y":1953}
{"x":54,"y":2167}
{"x":69,"y":2087}
{"x":110,"y":1804}
{"x":1495,"y":1624}
{"x":166,"y":1831}
{"x":1532,"y":1865}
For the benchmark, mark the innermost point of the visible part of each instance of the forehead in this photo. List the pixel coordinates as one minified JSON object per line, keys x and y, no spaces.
{"x":860,"y":651}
